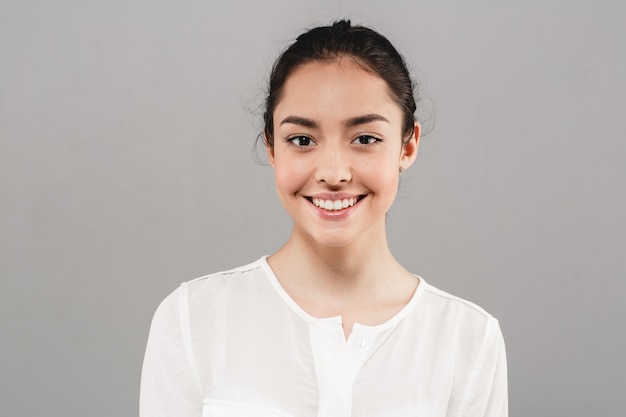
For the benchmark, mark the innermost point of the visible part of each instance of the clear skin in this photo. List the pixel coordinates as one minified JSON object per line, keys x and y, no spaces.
{"x":338,"y":137}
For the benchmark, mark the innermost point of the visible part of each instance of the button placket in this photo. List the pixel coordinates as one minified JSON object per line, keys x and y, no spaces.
{"x":359,"y":350}
{"x":332,"y":361}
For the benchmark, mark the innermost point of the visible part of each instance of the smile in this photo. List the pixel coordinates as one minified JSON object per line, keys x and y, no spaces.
{"x":335,"y":205}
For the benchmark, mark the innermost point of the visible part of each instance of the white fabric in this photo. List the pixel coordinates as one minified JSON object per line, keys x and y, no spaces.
{"x":235,"y":344}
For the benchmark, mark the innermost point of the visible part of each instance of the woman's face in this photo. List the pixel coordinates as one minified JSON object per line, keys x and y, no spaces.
{"x":337,"y":152}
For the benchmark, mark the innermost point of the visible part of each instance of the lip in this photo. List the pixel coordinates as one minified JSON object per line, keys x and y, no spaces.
{"x":334,"y":196}
{"x":336,"y":214}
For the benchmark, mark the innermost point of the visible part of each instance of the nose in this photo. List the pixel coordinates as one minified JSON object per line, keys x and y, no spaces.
{"x":333,"y":165}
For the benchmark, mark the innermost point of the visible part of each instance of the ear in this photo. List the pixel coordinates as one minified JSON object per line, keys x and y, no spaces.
{"x":409,"y":149}
{"x":270,"y":151}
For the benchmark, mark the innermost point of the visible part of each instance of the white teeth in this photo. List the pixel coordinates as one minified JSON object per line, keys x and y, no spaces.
{"x":334,"y":205}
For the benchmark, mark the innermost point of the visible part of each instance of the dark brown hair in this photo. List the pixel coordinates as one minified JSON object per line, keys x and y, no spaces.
{"x":369,"y":49}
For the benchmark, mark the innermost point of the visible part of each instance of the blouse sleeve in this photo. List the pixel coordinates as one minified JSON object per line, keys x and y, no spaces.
{"x":488,"y":395}
{"x":170,"y":385}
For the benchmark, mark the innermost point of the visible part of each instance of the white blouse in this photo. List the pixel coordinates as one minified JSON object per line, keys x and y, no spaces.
{"x":235,"y":344}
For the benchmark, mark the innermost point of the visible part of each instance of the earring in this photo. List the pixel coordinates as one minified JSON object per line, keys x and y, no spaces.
{"x":401,"y":170}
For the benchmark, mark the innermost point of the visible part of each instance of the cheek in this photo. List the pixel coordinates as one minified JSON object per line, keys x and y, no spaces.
{"x":383,"y":176}
{"x":388,"y":182}
{"x":289,"y":178}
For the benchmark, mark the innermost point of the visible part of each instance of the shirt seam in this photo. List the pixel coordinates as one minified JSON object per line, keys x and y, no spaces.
{"x":443,"y":294}
{"x":243,"y":269}
{"x":479,"y":364}
{"x":185,"y":330}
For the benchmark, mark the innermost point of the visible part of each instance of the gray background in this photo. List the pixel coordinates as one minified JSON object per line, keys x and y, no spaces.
{"x":126,"y":167}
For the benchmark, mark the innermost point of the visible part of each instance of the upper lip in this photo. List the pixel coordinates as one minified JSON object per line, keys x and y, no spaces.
{"x":334,"y":196}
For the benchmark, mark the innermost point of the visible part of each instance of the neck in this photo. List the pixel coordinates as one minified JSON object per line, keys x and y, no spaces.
{"x":361,"y":281}
{"x":335,"y":271}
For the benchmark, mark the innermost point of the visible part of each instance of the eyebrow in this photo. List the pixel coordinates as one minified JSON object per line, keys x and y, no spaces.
{"x":353,"y":121}
{"x":368,"y":118}
{"x":300,"y":121}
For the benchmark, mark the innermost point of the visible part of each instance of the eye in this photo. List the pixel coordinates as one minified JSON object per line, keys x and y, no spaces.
{"x":365,"y":140}
{"x":302,"y":141}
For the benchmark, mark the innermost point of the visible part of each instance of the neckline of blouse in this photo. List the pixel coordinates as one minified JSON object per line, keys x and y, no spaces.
{"x":336,"y":320}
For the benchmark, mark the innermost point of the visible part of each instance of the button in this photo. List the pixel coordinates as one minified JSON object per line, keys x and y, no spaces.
{"x":362,"y":343}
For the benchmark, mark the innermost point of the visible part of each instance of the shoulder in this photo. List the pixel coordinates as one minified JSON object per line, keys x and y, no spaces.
{"x":459,"y":328}
{"x":232,"y":276}
{"x":214,"y":288}
{"x":443,"y":299}
{"x":460,"y":316}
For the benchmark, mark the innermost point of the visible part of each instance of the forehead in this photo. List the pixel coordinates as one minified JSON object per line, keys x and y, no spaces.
{"x":335,"y":89}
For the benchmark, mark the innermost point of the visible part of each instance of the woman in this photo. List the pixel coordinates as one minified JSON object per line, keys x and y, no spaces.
{"x":331,"y":324}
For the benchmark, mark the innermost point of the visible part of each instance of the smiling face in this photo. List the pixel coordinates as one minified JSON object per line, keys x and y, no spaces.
{"x":337,"y":151}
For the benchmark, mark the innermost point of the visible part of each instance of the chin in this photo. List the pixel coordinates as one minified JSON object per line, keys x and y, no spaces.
{"x":335,"y":239}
